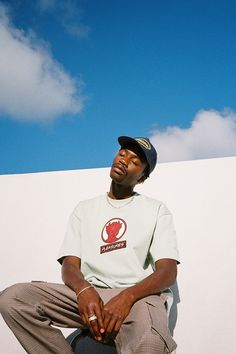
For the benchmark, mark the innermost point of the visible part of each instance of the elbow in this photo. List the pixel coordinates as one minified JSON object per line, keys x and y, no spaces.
{"x":173,"y":274}
{"x":174,"y":277}
{"x":168,"y":269}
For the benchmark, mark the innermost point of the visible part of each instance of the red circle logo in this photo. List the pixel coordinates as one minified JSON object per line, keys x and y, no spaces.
{"x":113,"y":230}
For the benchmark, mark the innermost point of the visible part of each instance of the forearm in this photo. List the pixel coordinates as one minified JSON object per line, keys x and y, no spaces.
{"x":73,"y":277}
{"x":155,"y":283}
{"x":89,"y":301}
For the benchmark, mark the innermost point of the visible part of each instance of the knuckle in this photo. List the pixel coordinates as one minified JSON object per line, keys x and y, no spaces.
{"x":116,"y":316}
{"x":90,"y":306}
{"x":106,"y":311}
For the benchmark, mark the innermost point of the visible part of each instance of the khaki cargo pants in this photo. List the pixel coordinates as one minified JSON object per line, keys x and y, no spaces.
{"x":33,"y":311}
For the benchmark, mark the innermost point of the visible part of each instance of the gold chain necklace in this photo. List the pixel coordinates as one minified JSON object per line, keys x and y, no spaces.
{"x":119,"y":206}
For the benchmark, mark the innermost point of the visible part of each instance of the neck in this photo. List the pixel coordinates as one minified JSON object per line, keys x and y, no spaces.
{"x":118,"y":191}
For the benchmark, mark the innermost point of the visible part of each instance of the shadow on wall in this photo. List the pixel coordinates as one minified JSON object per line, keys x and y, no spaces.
{"x":174,"y":309}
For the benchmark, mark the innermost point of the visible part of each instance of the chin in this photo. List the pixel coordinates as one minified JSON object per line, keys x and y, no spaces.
{"x":116,"y":178}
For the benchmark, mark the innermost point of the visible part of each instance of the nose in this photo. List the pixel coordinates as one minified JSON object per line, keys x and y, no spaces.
{"x":123,"y":161}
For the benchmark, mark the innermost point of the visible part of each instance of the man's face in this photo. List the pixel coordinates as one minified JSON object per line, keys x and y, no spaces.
{"x":128,"y":167}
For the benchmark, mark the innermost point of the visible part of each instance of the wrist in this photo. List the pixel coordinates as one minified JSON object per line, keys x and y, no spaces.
{"x":80,"y":286}
{"x":129,"y":295}
{"x":83,"y":290}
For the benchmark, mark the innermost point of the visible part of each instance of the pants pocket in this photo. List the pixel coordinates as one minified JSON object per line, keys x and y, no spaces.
{"x":159,"y":321}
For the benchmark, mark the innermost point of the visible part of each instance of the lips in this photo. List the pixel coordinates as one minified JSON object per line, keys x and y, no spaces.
{"x":120,"y":169}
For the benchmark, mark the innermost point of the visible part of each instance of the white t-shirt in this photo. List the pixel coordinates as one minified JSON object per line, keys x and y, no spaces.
{"x":119,"y":241}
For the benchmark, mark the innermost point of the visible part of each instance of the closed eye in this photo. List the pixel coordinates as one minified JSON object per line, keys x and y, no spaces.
{"x":121,"y":153}
{"x":135,"y":162}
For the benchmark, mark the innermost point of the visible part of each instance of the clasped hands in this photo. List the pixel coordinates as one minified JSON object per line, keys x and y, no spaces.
{"x":103,"y":320}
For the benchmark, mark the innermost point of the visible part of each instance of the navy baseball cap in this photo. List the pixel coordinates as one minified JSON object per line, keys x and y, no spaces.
{"x":144,"y":145}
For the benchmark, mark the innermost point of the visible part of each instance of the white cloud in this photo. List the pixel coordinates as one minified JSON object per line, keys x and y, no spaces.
{"x":68,"y":14}
{"x":211,"y":134}
{"x":33,"y":86}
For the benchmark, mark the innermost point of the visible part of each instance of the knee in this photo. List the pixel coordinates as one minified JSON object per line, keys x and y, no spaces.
{"x":8,"y":299}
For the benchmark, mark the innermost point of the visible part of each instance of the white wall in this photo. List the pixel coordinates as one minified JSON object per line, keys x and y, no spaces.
{"x":34,"y":209}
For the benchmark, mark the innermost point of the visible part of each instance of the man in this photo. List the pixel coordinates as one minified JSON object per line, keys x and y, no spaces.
{"x":119,"y":257}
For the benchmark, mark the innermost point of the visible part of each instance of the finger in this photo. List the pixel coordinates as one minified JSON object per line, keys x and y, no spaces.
{"x":98,"y":311}
{"x":100,"y":323}
{"x":106,"y":320}
{"x":94,"y":327}
{"x":110,"y":327}
{"x":83,"y":317}
{"x":90,"y":323}
{"x":100,"y":316}
{"x":117,"y":327}
{"x":107,"y":316}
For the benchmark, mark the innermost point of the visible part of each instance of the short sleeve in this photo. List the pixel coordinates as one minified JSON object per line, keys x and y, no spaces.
{"x":164,"y":243}
{"x":71,"y":245}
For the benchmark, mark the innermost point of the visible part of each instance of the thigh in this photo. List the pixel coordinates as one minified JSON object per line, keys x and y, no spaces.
{"x":59,"y":303}
{"x":39,"y":291}
{"x":56,"y":302}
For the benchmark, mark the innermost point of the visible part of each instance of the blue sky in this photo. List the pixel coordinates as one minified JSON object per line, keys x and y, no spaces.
{"x":74,"y":75}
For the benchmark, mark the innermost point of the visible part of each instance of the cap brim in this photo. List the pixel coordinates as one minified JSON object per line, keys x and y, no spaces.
{"x":126,"y":140}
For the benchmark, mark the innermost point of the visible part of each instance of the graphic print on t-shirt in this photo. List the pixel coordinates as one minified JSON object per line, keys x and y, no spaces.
{"x":112,"y":232}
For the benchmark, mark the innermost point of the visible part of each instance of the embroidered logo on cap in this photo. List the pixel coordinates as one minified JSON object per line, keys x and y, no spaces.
{"x":112,"y":232}
{"x":145,"y":143}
